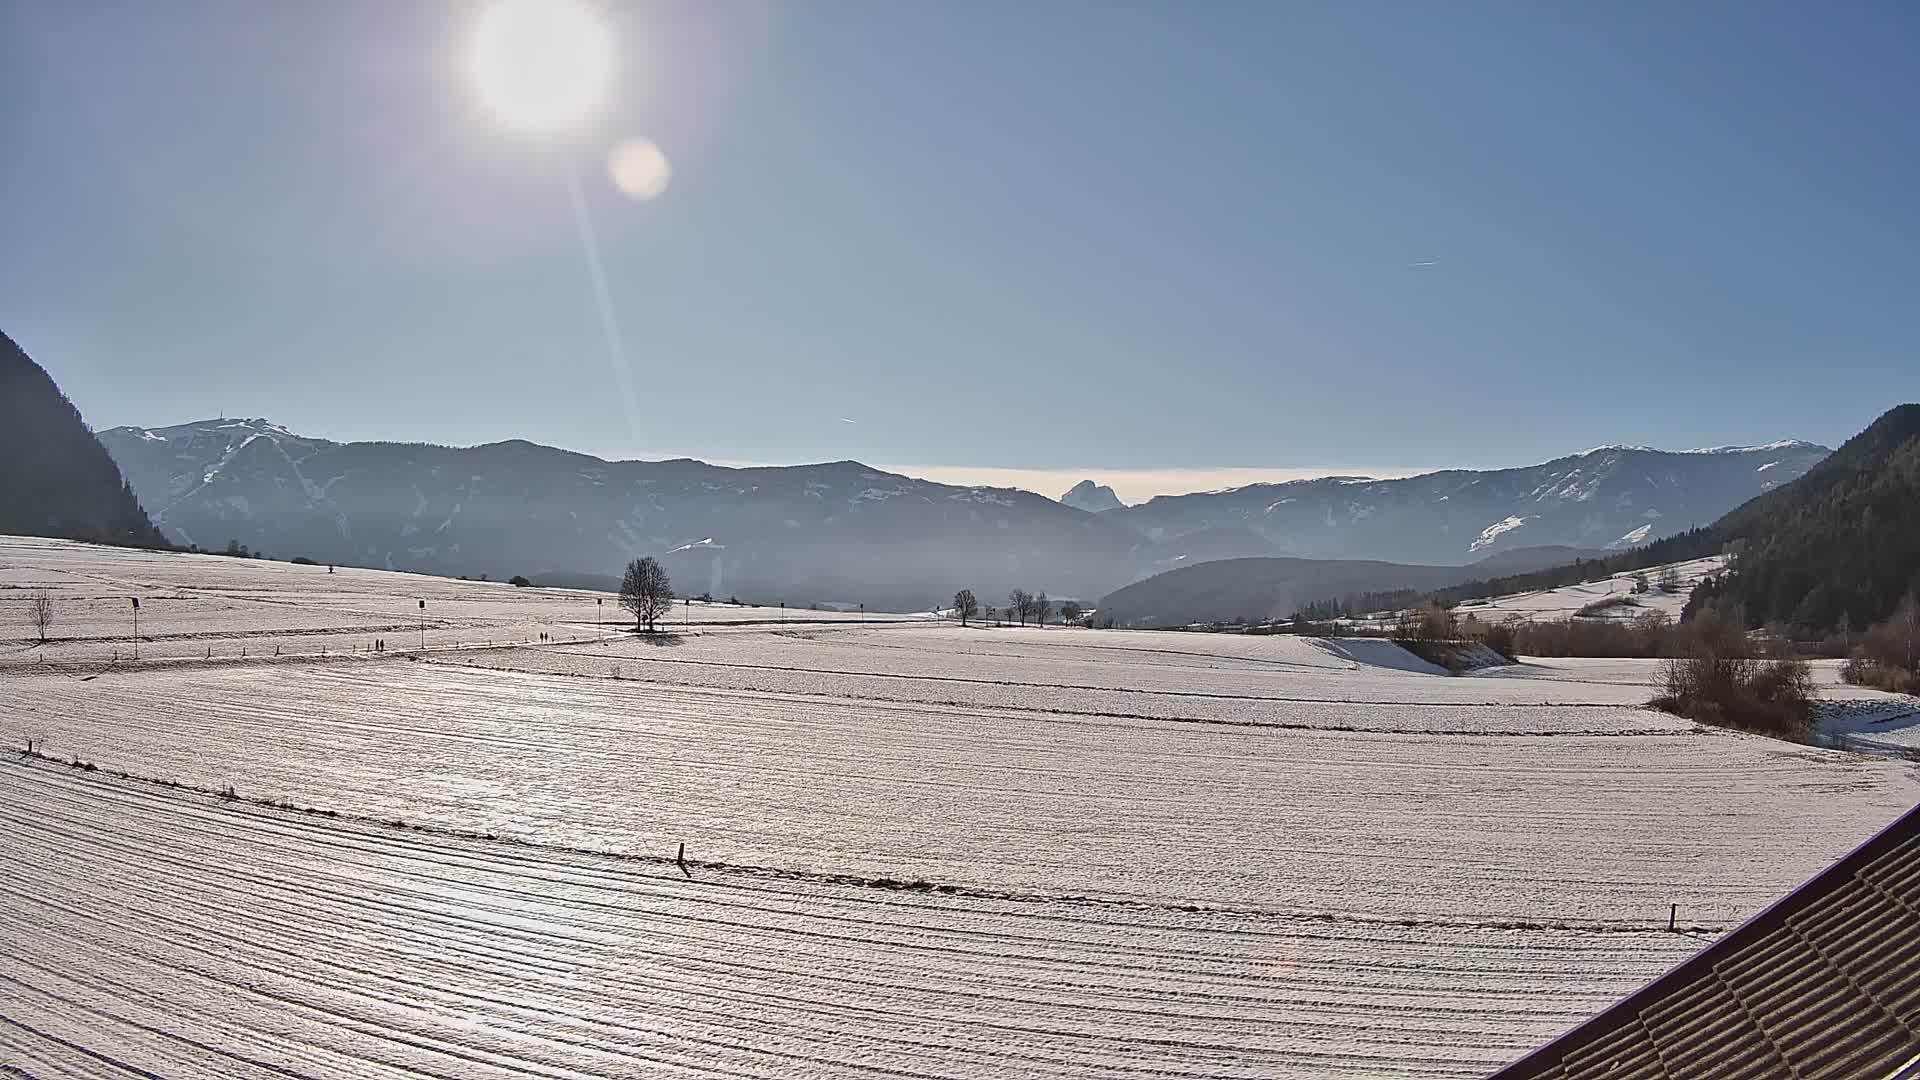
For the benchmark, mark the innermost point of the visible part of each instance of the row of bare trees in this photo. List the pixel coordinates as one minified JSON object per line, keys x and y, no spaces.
{"x":1021,"y":606}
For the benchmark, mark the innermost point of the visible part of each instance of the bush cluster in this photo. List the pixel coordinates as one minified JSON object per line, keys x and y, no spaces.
{"x":1772,"y":697}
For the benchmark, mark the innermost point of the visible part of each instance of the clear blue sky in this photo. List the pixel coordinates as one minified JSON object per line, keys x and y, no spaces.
{"x":1102,"y":236}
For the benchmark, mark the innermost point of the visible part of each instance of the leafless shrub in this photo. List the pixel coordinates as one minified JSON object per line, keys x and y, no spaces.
{"x":1773,"y":697}
{"x":1861,"y":669}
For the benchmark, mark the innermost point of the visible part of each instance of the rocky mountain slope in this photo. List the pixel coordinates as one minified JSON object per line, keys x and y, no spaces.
{"x":1609,"y":497}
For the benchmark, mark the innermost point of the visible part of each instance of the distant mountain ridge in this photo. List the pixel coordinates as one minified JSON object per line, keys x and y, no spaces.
{"x":832,"y":532}
{"x":1607,"y":497}
{"x":55,"y":477}
{"x":846,"y":532}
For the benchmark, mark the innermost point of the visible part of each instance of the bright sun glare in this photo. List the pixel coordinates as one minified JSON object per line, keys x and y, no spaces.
{"x":541,"y":64}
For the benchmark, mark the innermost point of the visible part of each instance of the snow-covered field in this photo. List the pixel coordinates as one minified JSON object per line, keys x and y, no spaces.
{"x":179,"y":935}
{"x":1567,"y":601}
{"x":213,"y":606}
{"x":916,"y":850}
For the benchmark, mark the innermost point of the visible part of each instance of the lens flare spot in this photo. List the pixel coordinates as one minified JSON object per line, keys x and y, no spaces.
{"x":639,"y":169}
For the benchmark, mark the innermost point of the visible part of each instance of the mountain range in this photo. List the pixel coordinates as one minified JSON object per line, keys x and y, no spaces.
{"x":846,"y":532}
{"x":1607,"y":497}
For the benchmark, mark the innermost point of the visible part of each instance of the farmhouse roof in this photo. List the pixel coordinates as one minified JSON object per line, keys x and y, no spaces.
{"x":1824,"y":983}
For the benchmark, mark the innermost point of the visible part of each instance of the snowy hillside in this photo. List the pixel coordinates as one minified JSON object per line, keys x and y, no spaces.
{"x":1613,"y":597}
{"x":1607,"y":497}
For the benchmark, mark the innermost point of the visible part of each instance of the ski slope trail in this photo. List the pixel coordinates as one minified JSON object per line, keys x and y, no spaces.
{"x":158,"y":932}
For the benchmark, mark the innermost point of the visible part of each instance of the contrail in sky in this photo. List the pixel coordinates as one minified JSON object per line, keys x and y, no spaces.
{"x":616,"y":348}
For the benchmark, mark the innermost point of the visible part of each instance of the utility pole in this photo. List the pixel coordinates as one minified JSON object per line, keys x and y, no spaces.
{"x":136,"y":626}
{"x":599,"y":616}
{"x":423,"y":626}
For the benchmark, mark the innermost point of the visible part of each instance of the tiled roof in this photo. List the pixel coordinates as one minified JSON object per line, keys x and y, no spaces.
{"x":1824,"y":984}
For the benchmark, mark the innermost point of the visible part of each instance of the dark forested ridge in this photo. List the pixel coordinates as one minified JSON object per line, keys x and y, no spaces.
{"x":55,"y":477}
{"x":1259,"y":589}
{"x":1837,"y":549}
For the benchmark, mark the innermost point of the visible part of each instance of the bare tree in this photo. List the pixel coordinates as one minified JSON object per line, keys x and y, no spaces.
{"x":1040,"y":608}
{"x":646,"y":591}
{"x":40,"y":613}
{"x":1019,"y":603}
{"x":1669,"y":579}
{"x":965,"y":605}
{"x":1070,"y":612}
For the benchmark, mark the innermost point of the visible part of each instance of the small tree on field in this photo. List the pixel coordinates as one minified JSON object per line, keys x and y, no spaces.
{"x":1019,"y":603}
{"x":40,"y":613}
{"x":519,"y":581}
{"x":965,"y":606}
{"x":1669,"y":580}
{"x":646,"y":591}
{"x":1040,"y":609}
{"x":1070,"y":612}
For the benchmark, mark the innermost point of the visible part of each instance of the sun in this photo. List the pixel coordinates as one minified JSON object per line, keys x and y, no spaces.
{"x":541,"y":64}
